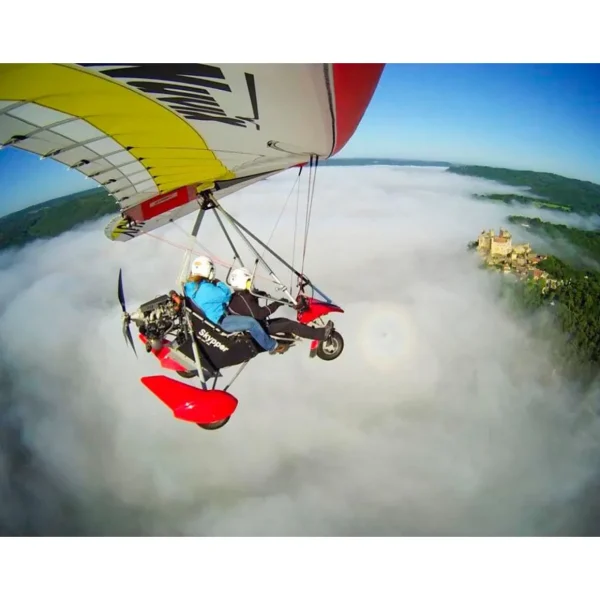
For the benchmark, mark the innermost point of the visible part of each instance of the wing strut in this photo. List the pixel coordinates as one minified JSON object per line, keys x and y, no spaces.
{"x":185,"y":267}
{"x":235,"y":252}
{"x":208,"y":202}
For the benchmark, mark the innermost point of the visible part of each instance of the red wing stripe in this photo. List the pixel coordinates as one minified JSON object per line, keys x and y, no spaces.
{"x":354,"y":85}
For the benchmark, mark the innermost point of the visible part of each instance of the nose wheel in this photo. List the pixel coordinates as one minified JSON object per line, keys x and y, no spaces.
{"x":214,"y":425}
{"x":331,"y":348}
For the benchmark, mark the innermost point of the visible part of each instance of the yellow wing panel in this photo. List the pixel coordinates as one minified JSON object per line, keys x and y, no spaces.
{"x":154,"y":135}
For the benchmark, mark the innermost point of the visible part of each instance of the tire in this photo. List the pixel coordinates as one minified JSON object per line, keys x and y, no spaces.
{"x":186,"y":374}
{"x":332,"y":348}
{"x":214,"y":425}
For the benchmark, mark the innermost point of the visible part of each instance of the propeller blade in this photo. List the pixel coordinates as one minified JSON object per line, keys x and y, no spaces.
{"x":120,"y":291}
{"x":126,"y":319}
{"x":131,"y":341}
{"x":127,"y":335}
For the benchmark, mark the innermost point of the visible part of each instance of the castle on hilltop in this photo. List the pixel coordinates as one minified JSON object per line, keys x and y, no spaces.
{"x":488,"y":243}
{"x":499,"y":251}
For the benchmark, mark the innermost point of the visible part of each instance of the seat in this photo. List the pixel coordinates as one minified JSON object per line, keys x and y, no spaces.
{"x":199,"y":314}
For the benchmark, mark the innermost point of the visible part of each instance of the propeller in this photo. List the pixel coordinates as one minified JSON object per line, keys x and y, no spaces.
{"x":126,"y":318}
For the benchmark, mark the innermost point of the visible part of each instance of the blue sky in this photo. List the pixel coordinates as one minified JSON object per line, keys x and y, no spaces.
{"x":539,"y":117}
{"x":26,"y":180}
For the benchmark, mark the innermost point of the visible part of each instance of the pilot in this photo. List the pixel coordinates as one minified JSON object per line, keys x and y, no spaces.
{"x":244,"y":302}
{"x":212,"y":297}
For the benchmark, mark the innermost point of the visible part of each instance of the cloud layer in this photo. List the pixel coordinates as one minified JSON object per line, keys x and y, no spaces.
{"x":443,"y":416}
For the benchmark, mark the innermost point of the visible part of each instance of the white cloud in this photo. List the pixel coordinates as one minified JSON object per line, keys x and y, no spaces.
{"x":441,"y":417}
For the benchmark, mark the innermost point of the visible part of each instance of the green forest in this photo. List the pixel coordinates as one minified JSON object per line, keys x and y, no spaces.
{"x":574,"y":305}
{"x":557,"y":192}
{"x":510,"y":198}
{"x":588,"y":241}
{"x":54,"y":217}
{"x":574,"y":302}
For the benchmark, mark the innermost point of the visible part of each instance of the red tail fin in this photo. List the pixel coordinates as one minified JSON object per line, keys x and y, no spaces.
{"x":189,"y":403}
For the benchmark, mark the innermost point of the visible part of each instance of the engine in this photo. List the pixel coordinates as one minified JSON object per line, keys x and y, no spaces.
{"x":159,"y":317}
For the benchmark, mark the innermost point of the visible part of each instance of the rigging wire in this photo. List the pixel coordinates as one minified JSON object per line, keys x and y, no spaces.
{"x":282,"y":210}
{"x":314,"y":159}
{"x":309,"y":205}
{"x":310,"y":176}
{"x":312,"y":196}
{"x":293,"y":263}
{"x":206,"y":251}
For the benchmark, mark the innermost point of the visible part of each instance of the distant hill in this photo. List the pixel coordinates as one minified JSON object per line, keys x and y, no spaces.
{"x":54,"y":217}
{"x":559,"y":192}
{"x":57,"y":216}
{"x":395,"y":162}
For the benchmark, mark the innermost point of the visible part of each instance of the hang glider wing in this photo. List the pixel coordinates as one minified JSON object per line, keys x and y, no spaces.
{"x":155,"y":135}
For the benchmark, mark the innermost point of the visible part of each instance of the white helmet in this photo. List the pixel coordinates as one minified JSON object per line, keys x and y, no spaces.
{"x":240,"y":279}
{"x":203,"y":266}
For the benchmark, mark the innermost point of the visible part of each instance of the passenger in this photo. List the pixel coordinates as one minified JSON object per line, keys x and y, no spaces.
{"x":245,"y":302}
{"x":212,"y":297}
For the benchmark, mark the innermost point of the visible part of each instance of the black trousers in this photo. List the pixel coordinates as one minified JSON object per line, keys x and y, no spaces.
{"x":283,"y":325}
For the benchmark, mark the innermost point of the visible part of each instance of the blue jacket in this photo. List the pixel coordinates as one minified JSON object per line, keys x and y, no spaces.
{"x":210,"y":297}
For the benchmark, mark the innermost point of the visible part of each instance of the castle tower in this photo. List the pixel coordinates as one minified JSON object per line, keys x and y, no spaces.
{"x":501,"y":245}
{"x":484,"y":242}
